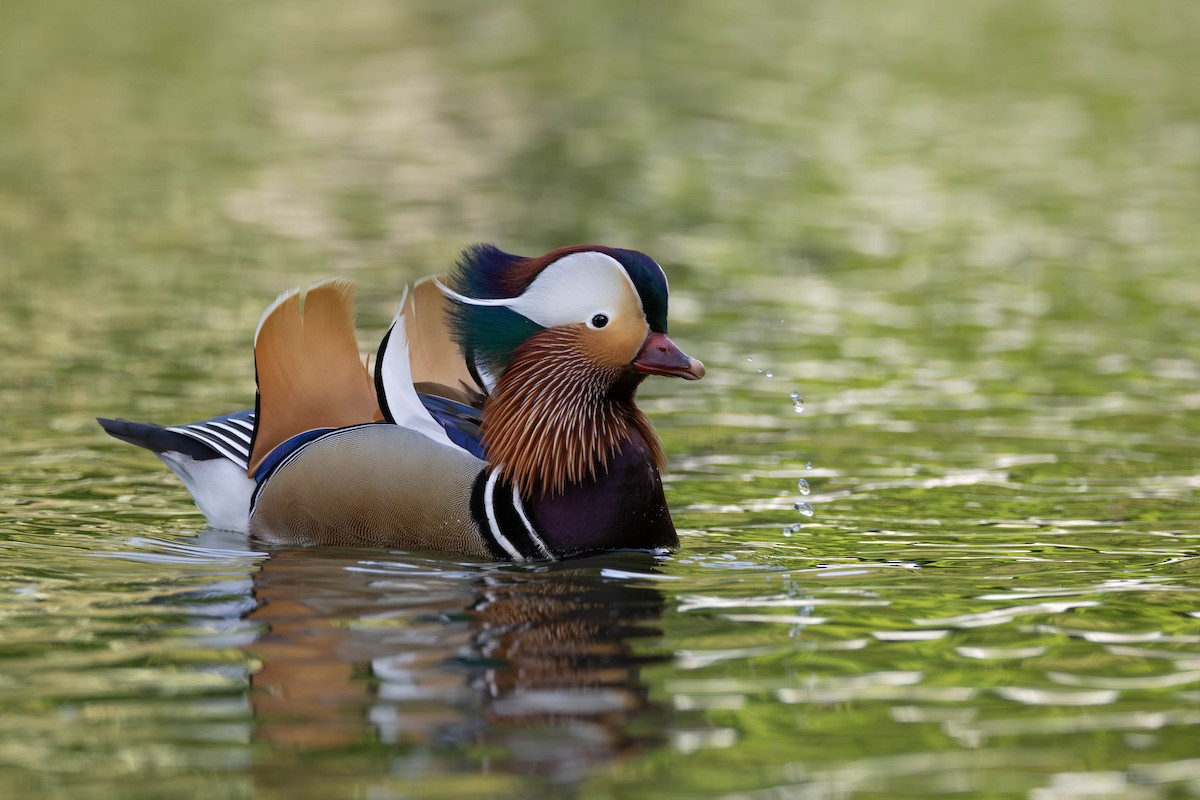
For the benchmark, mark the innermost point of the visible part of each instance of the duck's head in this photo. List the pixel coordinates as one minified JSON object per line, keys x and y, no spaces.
{"x":561,"y":342}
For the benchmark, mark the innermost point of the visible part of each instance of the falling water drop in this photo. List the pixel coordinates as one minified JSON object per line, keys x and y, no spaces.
{"x":803,"y":486}
{"x":804,"y":508}
{"x":797,"y":402}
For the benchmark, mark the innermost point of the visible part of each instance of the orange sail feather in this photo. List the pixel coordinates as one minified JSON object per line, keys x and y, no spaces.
{"x":308,"y":367}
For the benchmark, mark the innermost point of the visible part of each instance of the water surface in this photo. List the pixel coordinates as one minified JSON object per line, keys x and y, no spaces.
{"x":964,"y":242}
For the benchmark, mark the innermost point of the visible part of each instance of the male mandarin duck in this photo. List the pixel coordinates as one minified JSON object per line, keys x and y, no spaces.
{"x":500,"y":421}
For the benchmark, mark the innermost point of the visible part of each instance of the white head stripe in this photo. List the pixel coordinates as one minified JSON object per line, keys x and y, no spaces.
{"x":503,"y":302}
{"x":572,"y":289}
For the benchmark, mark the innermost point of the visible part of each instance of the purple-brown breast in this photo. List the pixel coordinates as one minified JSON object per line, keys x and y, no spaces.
{"x":621,"y":507}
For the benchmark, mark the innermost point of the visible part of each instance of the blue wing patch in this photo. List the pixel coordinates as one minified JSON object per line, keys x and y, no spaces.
{"x":285,"y":449}
{"x":460,"y":421}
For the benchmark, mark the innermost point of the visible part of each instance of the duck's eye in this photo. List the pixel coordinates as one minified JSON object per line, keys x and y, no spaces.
{"x":599,"y":321}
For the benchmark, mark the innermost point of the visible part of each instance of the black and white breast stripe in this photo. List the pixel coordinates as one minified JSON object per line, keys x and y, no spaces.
{"x":229,"y":435}
{"x":502,"y":521}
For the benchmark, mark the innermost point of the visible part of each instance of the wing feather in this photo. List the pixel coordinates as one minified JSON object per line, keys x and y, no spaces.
{"x":436,"y":359}
{"x":394,"y":383}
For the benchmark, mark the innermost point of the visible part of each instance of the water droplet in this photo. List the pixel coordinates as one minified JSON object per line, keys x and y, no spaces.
{"x":808,"y":465}
{"x":797,"y":402}
{"x":759,"y":370}
{"x":787,"y":531}
{"x":770,"y":374}
{"x":804,"y":508}
{"x":748,"y":358}
{"x":803,"y":486}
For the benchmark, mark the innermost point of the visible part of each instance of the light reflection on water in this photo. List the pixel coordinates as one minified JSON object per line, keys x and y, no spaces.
{"x":964,"y":243}
{"x":556,"y":671}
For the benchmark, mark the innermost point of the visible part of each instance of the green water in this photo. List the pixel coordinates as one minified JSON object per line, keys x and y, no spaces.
{"x":966,"y":234}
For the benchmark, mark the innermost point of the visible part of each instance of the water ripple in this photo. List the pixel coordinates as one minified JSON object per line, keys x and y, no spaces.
{"x":999,"y":616}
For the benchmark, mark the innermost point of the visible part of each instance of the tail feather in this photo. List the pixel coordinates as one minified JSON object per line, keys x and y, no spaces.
{"x":156,"y":438}
{"x":216,"y":482}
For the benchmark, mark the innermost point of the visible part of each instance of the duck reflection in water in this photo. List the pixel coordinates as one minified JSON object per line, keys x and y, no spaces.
{"x":537,"y":667}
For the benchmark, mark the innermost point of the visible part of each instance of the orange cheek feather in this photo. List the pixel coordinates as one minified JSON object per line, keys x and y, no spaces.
{"x":615,"y":346}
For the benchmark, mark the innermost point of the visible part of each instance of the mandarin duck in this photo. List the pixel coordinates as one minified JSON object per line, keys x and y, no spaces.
{"x":499,"y":422}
